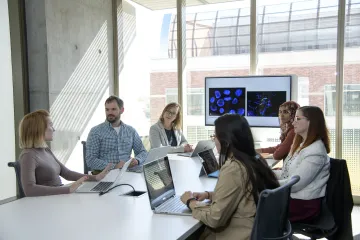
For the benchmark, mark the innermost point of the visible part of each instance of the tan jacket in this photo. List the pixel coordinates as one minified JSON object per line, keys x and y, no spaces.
{"x":231,"y":213}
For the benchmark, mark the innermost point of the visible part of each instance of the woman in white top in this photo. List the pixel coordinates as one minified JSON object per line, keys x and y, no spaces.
{"x":167,"y":131}
{"x":307,"y":158}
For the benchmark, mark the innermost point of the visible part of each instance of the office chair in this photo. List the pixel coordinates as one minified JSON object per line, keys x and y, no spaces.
{"x":86,"y":168}
{"x":323,"y":226}
{"x":271,"y":220}
{"x":334,"y":221}
{"x":16,"y":167}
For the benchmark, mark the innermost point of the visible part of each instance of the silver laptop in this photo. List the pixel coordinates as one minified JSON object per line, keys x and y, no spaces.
{"x":200,"y":147}
{"x":105,"y":184}
{"x":161,"y":189}
{"x":153,"y":154}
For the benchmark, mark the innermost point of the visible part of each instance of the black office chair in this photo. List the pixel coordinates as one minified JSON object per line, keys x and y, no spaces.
{"x":271,"y":220}
{"x":334,"y":221}
{"x":86,"y":168}
{"x":16,"y":167}
{"x":323,"y":226}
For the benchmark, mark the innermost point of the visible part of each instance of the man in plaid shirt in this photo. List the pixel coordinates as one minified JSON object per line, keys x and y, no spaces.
{"x":113,"y":140}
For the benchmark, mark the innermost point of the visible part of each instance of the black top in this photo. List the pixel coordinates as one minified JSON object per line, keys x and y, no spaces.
{"x":171,"y":137}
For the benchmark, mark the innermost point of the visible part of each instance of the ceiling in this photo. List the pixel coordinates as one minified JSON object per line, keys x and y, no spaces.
{"x":168,"y":4}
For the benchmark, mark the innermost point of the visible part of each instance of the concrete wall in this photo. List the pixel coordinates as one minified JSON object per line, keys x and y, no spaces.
{"x":7,"y":140}
{"x":70,"y":49}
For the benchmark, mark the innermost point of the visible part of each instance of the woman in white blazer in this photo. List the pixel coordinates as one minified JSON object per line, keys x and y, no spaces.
{"x":167,"y":131}
{"x":307,"y":158}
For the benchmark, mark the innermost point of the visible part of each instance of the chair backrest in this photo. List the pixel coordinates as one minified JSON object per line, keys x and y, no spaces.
{"x":271,"y":220}
{"x":16,"y":167}
{"x":339,"y":198}
{"x":86,"y":168}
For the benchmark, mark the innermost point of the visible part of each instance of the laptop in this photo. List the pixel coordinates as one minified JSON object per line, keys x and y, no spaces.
{"x":104,"y":184}
{"x":210,"y":166}
{"x":161,"y":189}
{"x":153,"y":154}
{"x":201,"y":146}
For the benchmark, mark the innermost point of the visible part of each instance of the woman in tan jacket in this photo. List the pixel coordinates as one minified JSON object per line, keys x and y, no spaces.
{"x":243,"y":175}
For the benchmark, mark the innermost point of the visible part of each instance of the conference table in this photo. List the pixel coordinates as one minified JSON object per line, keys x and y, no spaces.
{"x":111,"y":216}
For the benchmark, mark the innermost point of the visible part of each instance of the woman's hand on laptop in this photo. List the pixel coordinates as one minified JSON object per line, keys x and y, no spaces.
{"x":201,"y":196}
{"x":77,"y":184}
{"x":188,"y":148}
{"x":186,"y":196}
{"x":104,"y":172}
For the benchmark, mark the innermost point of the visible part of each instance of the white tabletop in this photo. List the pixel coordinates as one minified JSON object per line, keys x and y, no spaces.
{"x":90,"y":216}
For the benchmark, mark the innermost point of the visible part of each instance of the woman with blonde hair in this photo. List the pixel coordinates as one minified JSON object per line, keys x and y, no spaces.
{"x":167,"y":131}
{"x":287,"y":112}
{"x":40,"y":169}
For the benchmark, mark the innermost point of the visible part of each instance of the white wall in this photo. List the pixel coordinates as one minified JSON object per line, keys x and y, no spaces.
{"x":7,"y":132}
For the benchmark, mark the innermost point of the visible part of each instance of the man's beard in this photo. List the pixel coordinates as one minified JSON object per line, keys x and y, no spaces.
{"x":113,"y":118}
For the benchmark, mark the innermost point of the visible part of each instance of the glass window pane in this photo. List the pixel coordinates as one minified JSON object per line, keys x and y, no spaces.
{"x":351,"y":100}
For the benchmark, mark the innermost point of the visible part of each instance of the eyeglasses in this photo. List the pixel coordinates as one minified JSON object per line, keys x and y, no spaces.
{"x":299,"y":118}
{"x":212,"y":137}
{"x":171,"y":113}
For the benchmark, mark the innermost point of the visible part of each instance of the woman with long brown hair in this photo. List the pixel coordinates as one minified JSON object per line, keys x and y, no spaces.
{"x":307,"y":158}
{"x":243,"y":175}
{"x":167,"y":131}
{"x":287,"y":112}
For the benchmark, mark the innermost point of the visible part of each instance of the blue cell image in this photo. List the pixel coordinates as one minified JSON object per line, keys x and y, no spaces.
{"x":241,"y":111}
{"x":238,"y":92}
{"x":264,"y":104}
{"x":227,"y":99}
{"x":227,"y":92}
{"x":217,"y":94}
{"x":220,"y":102}
{"x":250,"y":113}
{"x":232,"y":111}
{"x":213,"y":108}
{"x":224,"y":100}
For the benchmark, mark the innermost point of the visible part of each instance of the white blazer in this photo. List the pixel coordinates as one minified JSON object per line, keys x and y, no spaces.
{"x":158,"y":138}
{"x":312,"y":164}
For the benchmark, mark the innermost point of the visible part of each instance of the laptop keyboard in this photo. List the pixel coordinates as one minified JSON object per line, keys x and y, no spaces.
{"x":174,"y":205}
{"x":102,"y":186}
{"x":136,"y":169}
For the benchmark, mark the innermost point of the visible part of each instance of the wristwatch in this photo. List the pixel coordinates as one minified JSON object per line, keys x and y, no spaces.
{"x":188,"y":202}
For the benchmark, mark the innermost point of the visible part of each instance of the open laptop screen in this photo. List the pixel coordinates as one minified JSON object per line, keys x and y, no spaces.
{"x":159,"y":181}
{"x":209,"y":161}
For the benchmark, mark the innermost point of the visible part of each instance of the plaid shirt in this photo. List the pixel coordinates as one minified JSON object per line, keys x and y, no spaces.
{"x":104,"y":145}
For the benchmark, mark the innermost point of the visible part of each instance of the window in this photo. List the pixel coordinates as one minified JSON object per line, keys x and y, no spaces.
{"x":195,"y":100}
{"x":351,"y":102}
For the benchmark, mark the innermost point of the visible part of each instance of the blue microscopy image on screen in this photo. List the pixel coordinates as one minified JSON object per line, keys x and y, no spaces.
{"x":264,"y":104}
{"x":226,"y":100}
{"x":239,"y":92}
{"x":241,"y":111}
{"x":220,"y":102}
{"x":227,"y":92}
{"x":217,"y":94}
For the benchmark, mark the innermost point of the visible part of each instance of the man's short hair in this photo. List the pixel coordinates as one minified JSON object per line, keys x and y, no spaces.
{"x":112,"y":98}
